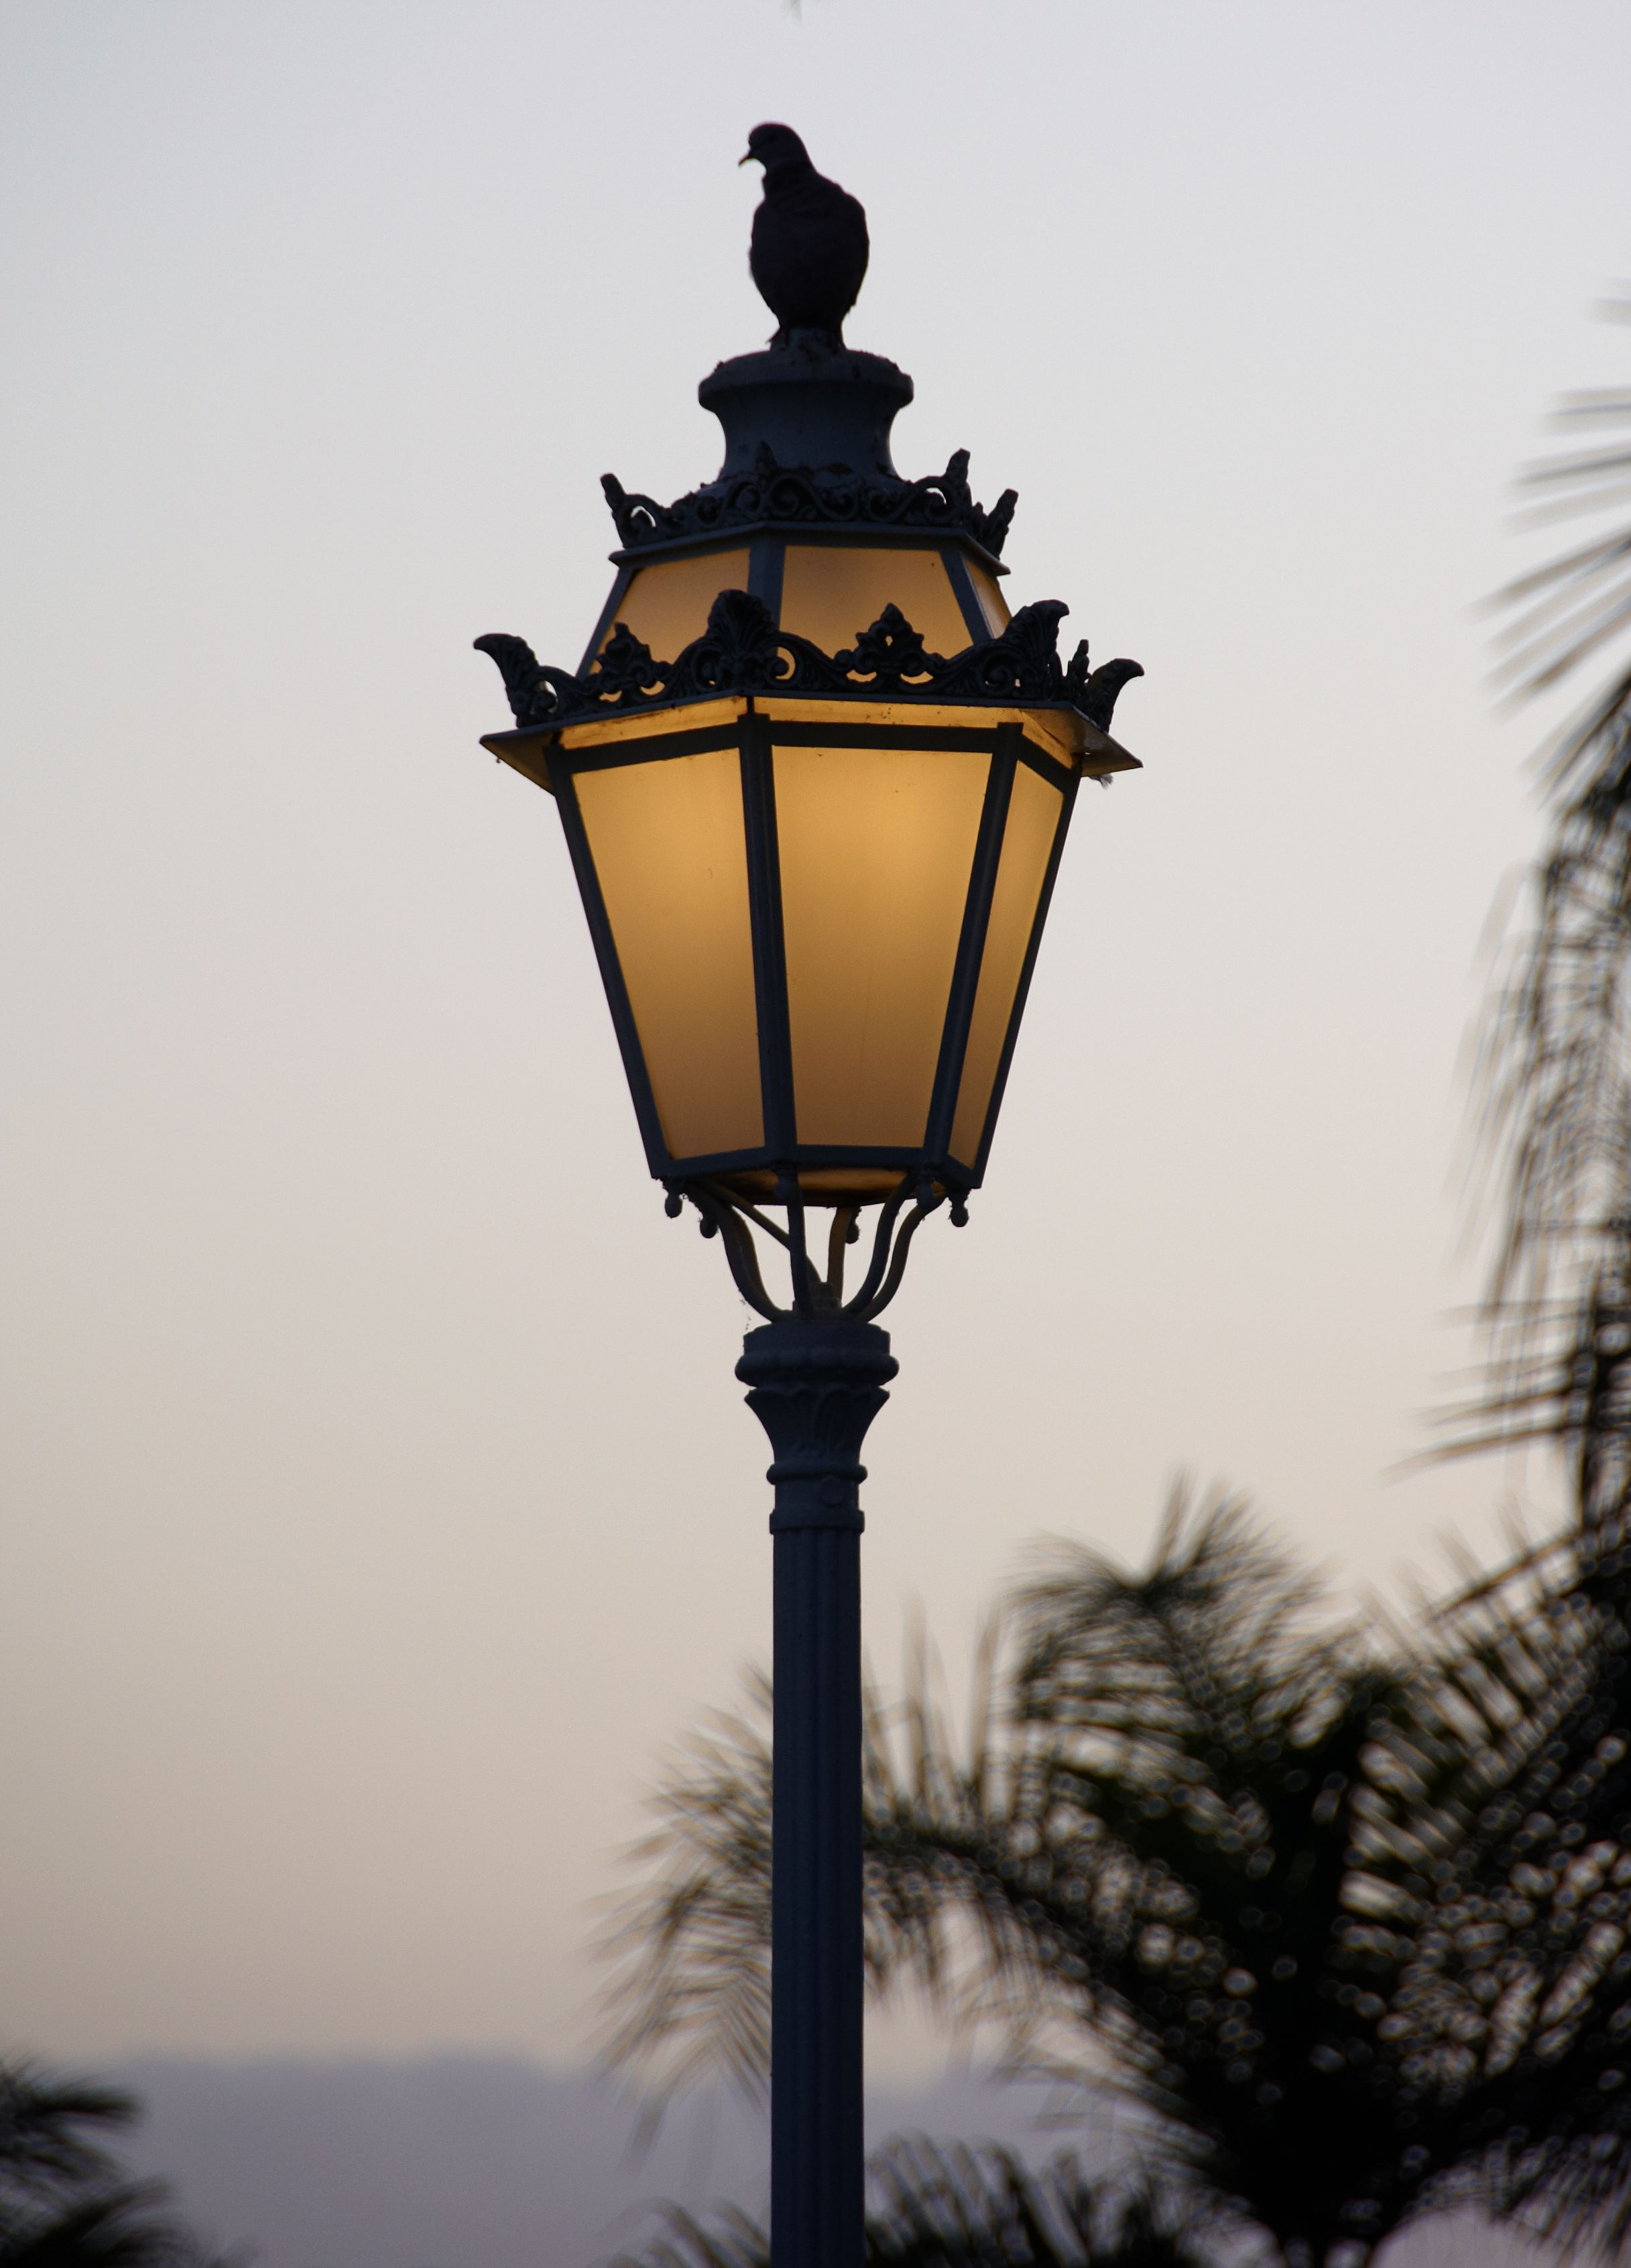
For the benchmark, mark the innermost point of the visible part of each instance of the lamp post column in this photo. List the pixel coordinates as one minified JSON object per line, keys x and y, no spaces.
{"x":816,"y":1387}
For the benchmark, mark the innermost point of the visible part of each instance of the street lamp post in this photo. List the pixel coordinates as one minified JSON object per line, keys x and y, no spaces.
{"x":815,"y":850}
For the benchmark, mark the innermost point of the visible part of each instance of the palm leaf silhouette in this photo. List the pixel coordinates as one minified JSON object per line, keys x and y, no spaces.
{"x":935,"y":2207}
{"x":1353,"y":1929}
{"x":1554,"y":1060}
{"x":62,"y":2201}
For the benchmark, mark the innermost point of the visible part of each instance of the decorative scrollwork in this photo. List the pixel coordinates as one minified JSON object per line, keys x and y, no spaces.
{"x":1094,"y":692}
{"x":538,"y":694}
{"x":626,"y":665}
{"x":889,"y":654}
{"x":742,"y":650}
{"x":817,"y":1297}
{"x":776,"y":496}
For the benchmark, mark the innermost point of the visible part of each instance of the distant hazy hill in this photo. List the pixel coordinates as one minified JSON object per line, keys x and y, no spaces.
{"x":474,"y":2162}
{"x":465,"y":2162}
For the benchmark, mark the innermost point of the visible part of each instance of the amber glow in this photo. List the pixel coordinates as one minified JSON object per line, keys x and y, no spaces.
{"x":993,"y":605}
{"x":669,"y":850}
{"x":1033,"y":816}
{"x":876,"y":851}
{"x":666,"y":604}
{"x":831,"y":592}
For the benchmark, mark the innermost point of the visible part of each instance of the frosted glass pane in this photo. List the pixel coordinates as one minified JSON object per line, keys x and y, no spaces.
{"x":877,"y":848}
{"x":1027,"y":845}
{"x":666,"y":604}
{"x":993,"y":605}
{"x":832,"y":592}
{"x":666,"y":838}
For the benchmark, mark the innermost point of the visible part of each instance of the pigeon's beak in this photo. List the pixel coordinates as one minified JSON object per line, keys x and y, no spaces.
{"x":747,"y":158}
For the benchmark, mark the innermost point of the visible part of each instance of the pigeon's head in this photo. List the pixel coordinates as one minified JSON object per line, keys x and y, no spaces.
{"x":775,"y":147}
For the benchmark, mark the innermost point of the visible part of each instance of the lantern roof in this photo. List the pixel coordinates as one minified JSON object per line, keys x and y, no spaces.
{"x":808,"y":462}
{"x":807,"y":446}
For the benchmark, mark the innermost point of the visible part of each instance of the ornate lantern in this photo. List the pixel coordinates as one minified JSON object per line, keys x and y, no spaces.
{"x":816,"y":846}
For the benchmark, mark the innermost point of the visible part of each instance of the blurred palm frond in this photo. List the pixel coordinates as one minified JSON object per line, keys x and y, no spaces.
{"x":62,"y":2201}
{"x":1352,"y":1928}
{"x":936,"y":2205}
{"x":1553,"y":1054}
{"x":43,"y":2117}
{"x":689,"y":1995}
{"x":125,"y":2227}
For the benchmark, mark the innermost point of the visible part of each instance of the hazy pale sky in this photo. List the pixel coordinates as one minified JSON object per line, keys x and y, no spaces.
{"x":378,"y":1500}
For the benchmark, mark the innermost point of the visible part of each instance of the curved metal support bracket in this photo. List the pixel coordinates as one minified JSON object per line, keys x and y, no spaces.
{"x":816,"y":1297}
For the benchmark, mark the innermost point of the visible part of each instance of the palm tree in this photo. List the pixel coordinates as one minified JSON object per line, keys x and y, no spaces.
{"x":63,"y":2202}
{"x":1556,"y":1054}
{"x":1345,"y":1922}
{"x":1554,"y":1064}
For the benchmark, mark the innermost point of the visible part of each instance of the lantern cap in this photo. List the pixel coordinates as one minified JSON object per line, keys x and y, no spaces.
{"x":825,"y":409}
{"x":807,"y":444}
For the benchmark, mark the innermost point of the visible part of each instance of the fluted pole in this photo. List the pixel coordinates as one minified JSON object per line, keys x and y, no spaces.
{"x":816,"y":1387}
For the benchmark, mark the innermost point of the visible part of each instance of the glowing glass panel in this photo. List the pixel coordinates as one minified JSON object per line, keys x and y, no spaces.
{"x":666,"y":604}
{"x":877,"y":848}
{"x":1033,"y":815}
{"x":668,"y":845}
{"x":993,"y":605}
{"x":833,"y":592}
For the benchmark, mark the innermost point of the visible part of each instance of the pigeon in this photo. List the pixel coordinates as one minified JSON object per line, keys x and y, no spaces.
{"x":809,"y":248}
